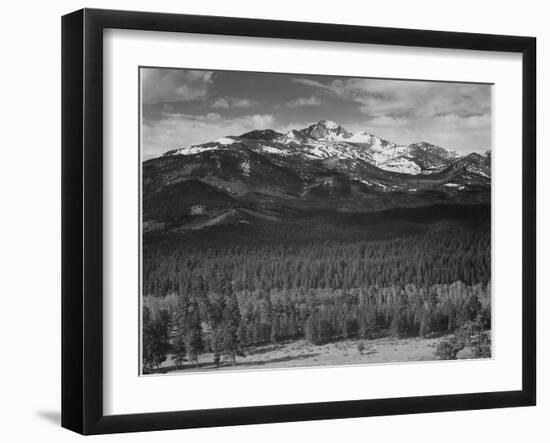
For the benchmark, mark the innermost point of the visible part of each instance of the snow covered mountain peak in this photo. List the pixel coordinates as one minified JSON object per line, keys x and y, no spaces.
{"x":293,"y":133}
{"x":368,"y":138}
{"x":329,"y":124}
{"x":326,"y":130}
{"x":425,"y":147}
{"x":327,"y":139}
{"x":293,"y":136}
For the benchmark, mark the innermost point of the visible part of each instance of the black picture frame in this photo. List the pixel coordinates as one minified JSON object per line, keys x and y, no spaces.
{"x":82,"y":218}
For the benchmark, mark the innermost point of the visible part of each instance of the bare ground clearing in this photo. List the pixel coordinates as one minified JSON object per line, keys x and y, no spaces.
{"x":301,"y":353}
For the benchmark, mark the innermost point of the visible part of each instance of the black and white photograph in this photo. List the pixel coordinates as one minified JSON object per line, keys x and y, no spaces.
{"x":292,"y":220}
{"x":275,"y":222}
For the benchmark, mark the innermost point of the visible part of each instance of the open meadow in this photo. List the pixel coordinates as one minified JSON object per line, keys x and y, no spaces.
{"x":301,"y":353}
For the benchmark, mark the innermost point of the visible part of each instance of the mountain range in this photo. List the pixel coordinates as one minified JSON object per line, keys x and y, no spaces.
{"x":265,"y":176}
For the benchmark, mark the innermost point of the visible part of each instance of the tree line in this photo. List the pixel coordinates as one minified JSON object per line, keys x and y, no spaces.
{"x":423,"y":260}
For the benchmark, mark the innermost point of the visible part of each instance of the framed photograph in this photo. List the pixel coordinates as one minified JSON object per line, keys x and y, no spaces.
{"x":269,"y":221}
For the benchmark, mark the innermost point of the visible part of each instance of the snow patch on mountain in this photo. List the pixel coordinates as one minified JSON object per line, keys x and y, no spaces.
{"x":371,"y":183}
{"x":325,"y":150}
{"x":192,"y":150}
{"x":245,"y":167}
{"x":225,"y":141}
{"x":274,"y":150}
{"x":333,"y":138}
{"x":455,"y":185}
{"x":390,"y":157}
{"x":329,"y":124}
{"x":197,"y":149}
{"x":401,"y":165}
{"x":478,"y":171}
{"x":364,"y":137}
{"x":292,"y":136}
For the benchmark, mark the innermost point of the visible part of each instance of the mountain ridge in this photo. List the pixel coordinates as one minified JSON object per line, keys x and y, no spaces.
{"x":264,"y":175}
{"x":327,"y":139}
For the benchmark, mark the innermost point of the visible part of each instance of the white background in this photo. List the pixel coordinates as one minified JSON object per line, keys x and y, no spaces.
{"x":30,"y":234}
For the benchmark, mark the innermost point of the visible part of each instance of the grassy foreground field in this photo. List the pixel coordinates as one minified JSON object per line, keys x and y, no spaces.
{"x":300,"y":353}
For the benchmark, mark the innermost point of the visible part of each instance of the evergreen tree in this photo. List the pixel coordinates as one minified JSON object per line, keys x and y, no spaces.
{"x":398,"y":325}
{"x":230,"y":326}
{"x":243,"y":333}
{"x":155,"y":341}
{"x":326,"y":331}
{"x":194,"y":344}
{"x":217,"y":343}
{"x":312,"y":328}
{"x":275,"y":333}
{"x":177,"y":338}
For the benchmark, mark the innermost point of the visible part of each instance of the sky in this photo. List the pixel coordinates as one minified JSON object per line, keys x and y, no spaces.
{"x":184,"y":107}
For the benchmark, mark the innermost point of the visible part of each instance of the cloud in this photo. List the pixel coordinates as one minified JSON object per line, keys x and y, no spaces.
{"x":454,"y":115}
{"x":265,"y":121}
{"x":386,"y":120}
{"x":311,"y":101}
{"x":176,"y":130}
{"x":377,"y":97}
{"x":464,"y":134}
{"x":232,"y":102}
{"x":173,"y":85}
